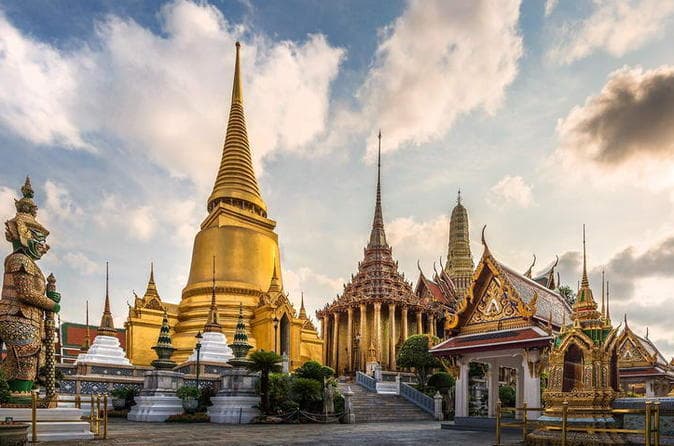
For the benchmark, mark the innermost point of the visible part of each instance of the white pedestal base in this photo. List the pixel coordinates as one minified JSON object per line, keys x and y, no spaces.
{"x":155,"y":408}
{"x":104,"y":350}
{"x":233,"y":409}
{"x":57,"y":424}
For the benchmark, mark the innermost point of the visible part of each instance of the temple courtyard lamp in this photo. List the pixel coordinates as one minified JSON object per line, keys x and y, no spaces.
{"x":198,"y":347}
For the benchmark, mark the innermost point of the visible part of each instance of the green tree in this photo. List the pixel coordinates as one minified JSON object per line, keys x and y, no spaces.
{"x":441,"y":381}
{"x":507,"y":396}
{"x":305,"y":391}
{"x":314,"y":370}
{"x":415,"y":353}
{"x":265,"y":363}
{"x":567,"y":293}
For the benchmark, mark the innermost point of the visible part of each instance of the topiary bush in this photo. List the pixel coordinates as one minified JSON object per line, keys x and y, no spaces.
{"x":314,"y":370}
{"x":441,"y":381}
{"x":306,"y":392}
{"x":507,"y":396}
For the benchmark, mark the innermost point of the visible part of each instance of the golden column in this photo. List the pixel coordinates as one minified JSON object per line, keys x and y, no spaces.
{"x":404,"y":320}
{"x":364,"y":338}
{"x":324,"y":334}
{"x":431,"y":322}
{"x":377,"y":328}
{"x":420,"y":323}
{"x":335,"y":335}
{"x":392,"y":332}
{"x":349,"y":340}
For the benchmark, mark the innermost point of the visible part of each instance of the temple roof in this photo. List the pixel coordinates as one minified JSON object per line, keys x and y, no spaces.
{"x":494,"y":340}
{"x":378,"y":278}
{"x":236,"y":182}
{"x":441,"y":288}
{"x":637,"y":352}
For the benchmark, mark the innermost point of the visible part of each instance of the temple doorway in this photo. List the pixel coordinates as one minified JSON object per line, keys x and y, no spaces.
{"x":285,"y":335}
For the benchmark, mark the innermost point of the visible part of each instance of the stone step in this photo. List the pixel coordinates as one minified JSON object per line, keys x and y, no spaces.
{"x":370,"y":407}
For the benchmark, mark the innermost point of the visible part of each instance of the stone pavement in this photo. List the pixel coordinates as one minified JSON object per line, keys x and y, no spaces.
{"x":122,"y":432}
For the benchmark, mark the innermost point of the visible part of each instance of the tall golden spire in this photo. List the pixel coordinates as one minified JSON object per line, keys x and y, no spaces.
{"x":236,"y":183}
{"x":107,"y":327}
{"x":303,"y":312}
{"x":585,"y":306}
{"x":275,"y":284}
{"x":213,"y":324}
{"x":460,"y":264}
{"x":377,"y":235}
{"x":86,"y":343}
{"x":151,"y":290}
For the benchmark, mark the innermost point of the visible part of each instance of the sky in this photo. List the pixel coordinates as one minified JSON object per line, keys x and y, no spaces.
{"x":546,"y":114}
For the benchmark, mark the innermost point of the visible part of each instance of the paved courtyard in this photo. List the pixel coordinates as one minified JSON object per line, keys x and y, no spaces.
{"x":122,"y":432}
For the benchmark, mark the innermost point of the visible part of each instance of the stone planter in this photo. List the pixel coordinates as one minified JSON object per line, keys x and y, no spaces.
{"x":190,"y":404}
{"x":119,"y":403}
{"x":15,"y":434}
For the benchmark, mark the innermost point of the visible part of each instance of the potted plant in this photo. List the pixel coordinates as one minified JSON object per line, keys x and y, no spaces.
{"x":190,"y":397}
{"x":119,"y":396}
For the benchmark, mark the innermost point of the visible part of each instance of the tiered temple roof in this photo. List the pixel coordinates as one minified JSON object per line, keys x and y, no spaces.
{"x":378,"y":278}
{"x":638,"y":357}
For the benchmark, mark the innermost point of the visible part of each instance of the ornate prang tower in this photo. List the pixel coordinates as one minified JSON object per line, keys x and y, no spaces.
{"x":459,"y":260}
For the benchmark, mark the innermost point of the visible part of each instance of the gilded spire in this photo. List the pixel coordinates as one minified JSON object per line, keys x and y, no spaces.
{"x":275,"y":284}
{"x":236,"y":183}
{"x":585,"y":308}
{"x":460,"y":264}
{"x":164,"y":348}
{"x":107,"y":327}
{"x":377,"y":235}
{"x":303,"y":312}
{"x":151,"y":290}
{"x":240,"y":346}
{"x":86,"y":343}
{"x":213,"y":324}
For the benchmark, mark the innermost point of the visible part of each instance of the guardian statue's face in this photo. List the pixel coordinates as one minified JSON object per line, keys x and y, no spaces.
{"x":37,"y":244}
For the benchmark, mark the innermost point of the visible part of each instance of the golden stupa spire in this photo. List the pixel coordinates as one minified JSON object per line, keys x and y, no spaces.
{"x":585,"y":307}
{"x":275,"y":284}
{"x":86,"y":343}
{"x":213,"y":324}
{"x":107,"y":327}
{"x":377,"y":235}
{"x":236,"y":183}
{"x":303,"y":312}
{"x":151,"y":290}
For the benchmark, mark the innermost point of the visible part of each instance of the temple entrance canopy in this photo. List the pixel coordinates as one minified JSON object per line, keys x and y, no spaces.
{"x":505,"y":320}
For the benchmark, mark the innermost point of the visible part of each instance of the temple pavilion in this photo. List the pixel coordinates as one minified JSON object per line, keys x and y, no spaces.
{"x":378,"y":308}
{"x":505,"y":319}
{"x":643,"y":370}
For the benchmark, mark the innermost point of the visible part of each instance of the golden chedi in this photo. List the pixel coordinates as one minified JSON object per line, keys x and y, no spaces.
{"x":241,"y":238}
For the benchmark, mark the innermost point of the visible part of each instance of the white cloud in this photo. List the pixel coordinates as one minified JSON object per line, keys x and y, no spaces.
{"x":81,"y":263}
{"x":550,"y":6}
{"x":436,"y":61}
{"x":614,"y":26}
{"x":623,"y":134}
{"x":7,"y":209}
{"x":427,"y":238}
{"x":318,"y":288}
{"x":166,"y":95}
{"x":59,"y":202}
{"x":511,"y":190}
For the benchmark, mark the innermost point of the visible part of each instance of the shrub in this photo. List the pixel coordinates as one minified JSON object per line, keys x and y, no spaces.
{"x":265,"y":363}
{"x":185,"y":392}
{"x":441,"y":381}
{"x":279,"y":392}
{"x":507,"y":396}
{"x":305,"y":391}
{"x":207,"y":391}
{"x":314,"y":370}
{"x":127,"y":393}
{"x":415,"y":353}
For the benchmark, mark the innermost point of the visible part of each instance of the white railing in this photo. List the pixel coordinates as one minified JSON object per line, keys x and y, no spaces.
{"x":420,"y":399}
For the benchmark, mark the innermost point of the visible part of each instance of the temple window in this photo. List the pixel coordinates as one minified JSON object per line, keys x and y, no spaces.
{"x":573,"y":368}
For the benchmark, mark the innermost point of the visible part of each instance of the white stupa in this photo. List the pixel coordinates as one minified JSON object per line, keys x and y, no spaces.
{"x":214,"y":348}
{"x":106,"y":348}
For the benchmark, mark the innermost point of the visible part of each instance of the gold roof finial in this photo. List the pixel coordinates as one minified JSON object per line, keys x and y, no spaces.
{"x":603,"y":298}
{"x":458,"y":197}
{"x":377,"y":235}
{"x":86,"y":343}
{"x":275,"y":283}
{"x":213,"y":324}
{"x":303,"y":312}
{"x":107,"y":327}
{"x":236,"y":183}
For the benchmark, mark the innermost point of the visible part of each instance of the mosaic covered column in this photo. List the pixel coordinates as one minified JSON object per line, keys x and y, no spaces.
{"x":431,"y":322}
{"x":404,"y":323}
{"x":335,"y":336}
{"x":420,"y":322}
{"x":364,"y":339}
{"x":324,"y":335}
{"x":392,"y":336}
{"x":377,"y":329}
{"x":349,"y":338}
